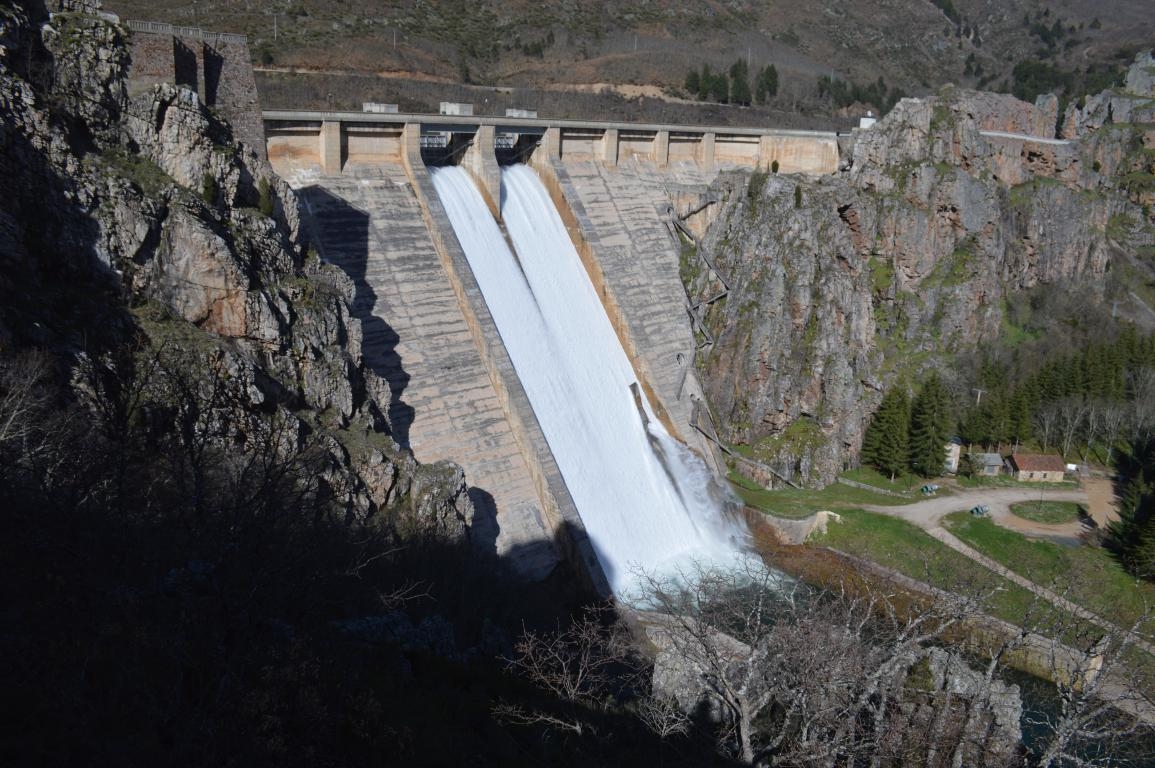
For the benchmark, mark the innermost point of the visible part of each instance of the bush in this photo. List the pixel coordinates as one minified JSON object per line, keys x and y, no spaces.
{"x":266,"y":202}
{"x":209,"y":188}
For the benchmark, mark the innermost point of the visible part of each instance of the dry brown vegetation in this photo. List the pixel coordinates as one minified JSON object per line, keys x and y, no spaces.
{"x":915,"y":46}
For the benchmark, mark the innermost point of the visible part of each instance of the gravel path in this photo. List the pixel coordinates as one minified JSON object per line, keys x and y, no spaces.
{"x":929,"y":513}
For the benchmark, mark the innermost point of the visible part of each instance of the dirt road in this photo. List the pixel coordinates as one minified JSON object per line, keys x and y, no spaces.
{"x":929,"y":513}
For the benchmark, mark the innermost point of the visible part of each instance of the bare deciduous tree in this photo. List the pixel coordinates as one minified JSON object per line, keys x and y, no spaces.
{"x":1072,"y":412}
{"x":1106,"y":703}
{"x":817,"y":677}
{"x":1045,"y":421}
{"x":583,"y":665}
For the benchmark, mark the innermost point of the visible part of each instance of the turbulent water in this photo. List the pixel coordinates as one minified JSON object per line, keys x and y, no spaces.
{"x":648,"y":503}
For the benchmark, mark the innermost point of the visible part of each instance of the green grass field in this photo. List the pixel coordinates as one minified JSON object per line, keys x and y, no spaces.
{"x":1086,"y":575}
{"x":1048,"y":512}
{"x":1006,"y":481}
{"x":796,"y":503}
{"x":897,"y":544}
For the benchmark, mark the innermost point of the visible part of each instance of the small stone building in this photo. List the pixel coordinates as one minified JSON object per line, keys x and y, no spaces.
{"x":987,"y":464}
{"x":1036,"y":467}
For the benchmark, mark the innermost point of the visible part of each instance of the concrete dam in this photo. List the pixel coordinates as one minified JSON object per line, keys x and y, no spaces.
{"x":437,"y":328}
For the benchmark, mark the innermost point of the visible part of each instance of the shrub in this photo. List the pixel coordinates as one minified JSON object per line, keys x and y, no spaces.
{"x":266,"y":202}
{"x":209,"y":188}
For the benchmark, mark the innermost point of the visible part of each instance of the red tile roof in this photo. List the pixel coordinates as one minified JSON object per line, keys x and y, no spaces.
{"x":1037,"y":462}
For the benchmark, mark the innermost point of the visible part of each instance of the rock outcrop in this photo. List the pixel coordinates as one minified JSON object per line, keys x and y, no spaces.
{"x":942,"y":211}
{"x":138,"y":235}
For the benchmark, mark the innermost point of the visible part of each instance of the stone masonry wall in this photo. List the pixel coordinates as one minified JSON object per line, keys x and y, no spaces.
{"x":236,"y":93}
{"x":217,"y":67}
{"x":153,"y":62}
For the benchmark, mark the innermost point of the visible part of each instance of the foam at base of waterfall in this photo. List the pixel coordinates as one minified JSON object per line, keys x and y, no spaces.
{"x":646,"y":500}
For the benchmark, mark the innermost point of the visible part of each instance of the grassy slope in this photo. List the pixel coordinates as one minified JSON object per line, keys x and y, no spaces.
{"x":1087,"y":575}
{"x":910,"y":44}
{"x":801,"y":502}
{"x":1049,"y":512}
{"x":907,"y":549}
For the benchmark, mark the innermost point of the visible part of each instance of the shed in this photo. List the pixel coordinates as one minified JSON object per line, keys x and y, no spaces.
{"x":987,"y":464}
{"x":1036,"y":467}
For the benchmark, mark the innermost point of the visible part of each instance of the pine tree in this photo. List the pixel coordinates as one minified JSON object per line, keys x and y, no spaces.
{"x":720,"y":88}
{"x":766,"y":84}
{"x":740,"y":83}
{"x":1132,"y":536}
{"x":693,"y":83}
{"x":930,"y":428}
{"x":705,"y":80}
{"x":885,"y":444}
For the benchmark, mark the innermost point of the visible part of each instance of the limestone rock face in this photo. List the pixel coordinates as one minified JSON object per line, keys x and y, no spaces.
{"x":905,"y":257}
{"x":90,"y":67}
{"x":996,"y":729}
{"x":141,"y":230}
{"x":440,"y":502}
{"x":1141,"y":76}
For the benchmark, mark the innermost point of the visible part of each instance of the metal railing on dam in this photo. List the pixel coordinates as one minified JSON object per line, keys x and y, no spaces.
{"x":332,"y":139}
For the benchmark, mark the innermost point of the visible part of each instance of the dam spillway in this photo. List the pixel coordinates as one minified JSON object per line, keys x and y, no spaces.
{"x":371,"y":209}
{"x":646,"y":501}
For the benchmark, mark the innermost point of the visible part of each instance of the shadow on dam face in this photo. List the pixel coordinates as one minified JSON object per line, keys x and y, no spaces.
{"x":342,"y":230}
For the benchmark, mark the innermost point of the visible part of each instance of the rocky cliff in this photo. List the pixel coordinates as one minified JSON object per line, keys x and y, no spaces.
{"x":941,"y":213}
{"x":145,"y":248}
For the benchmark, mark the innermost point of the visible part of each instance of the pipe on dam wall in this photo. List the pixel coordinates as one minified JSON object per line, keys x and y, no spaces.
{"x":560,"y":512}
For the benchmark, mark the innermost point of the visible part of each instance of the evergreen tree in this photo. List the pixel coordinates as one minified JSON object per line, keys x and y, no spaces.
{"x":1132,"y":536}
{"x":693,"y":83}
{"x":885,"y":444}
{"x":930,"y":428}
{"x":705,"y":81}
{"x":720,"y":88}
{"x":766,"y":84}
{"x":740,"y":83}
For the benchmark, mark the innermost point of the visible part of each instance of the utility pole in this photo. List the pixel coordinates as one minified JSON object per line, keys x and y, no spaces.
{"x":274,"y":26}
{"x":978,"y":395}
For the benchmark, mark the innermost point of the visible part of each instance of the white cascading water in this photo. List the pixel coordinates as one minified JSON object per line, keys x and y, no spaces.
{"x":648,"y":503}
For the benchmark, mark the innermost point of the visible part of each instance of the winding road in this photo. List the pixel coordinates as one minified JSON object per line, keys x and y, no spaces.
{"x":929,"y":513}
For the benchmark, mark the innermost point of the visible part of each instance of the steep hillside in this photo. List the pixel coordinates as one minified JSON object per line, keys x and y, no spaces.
{"x":914,"y":45}
{"x":907,"y":258}
{"x":213,"y":549}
